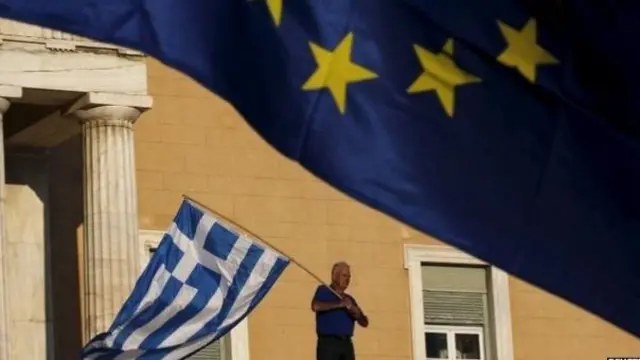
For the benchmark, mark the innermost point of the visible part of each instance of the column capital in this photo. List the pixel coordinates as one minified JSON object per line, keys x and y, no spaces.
{"x":109,"y":108}
{"x":108,"y":115}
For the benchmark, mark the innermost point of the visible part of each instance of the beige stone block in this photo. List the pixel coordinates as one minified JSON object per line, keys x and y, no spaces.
{"x":396,"y":320}
{"x":360,"y":256}
{"x":268,"y":345}
{"x":292,"y":295}
{"x":372,"y":277}
{"x":236,"y":138}
{"x":25,"y":277}
{"x":167,"y":110}
{"x":352,"y":213}
{"x":266,"y":314}
{"x":316,"y":189}
{"x":366,"y":342}
{"x":219,"y":203}
{"x":304,"y":211}
{"x":304,"y":318}
{"x":153,"y":202}
{"x":263,"y":187}
{"x":211,"y":112}
{"x":308,"y":234}
{"x":552,"y":347}
{"x":531,"y":303}
{"x":393,"y":343}
{"x":278,"y":187}
{"x":539,"y":327}
{"x":338,"y":232}
{"x":160,"y":157}
{"x":302,"y":340}
{"x":387,"y":255}
{"x":179,"y":134}
{"x":288,"y":169}
{"x":158,"y":69}
{"x":376,"y":232}
{"x":382,"y":297}
{"x":517,"y":285}
{"x":155,"y":221}
{"x":247,"y":163}
{"x":186,"y":183}
{"x":295,"y":276}
{"x":256,"y":207}
{"x":320,"y":268}
{"x":230,"y":119}
{"x":176,"y":87}
{"x":226,"y":184}
{"x":147,"y":179}
{"x":28,"y":340}
{"x":408,"y":236}
{"x":201,"y":160}
{"x":147,"y":129}
{"x":269,"y":229}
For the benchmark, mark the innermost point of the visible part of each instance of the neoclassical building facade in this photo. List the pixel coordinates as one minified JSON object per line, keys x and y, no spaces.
{"x":99,"y":144}
{"x":55,"y":87}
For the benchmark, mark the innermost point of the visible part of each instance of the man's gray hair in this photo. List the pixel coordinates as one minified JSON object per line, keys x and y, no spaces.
{"x":338,"y":265}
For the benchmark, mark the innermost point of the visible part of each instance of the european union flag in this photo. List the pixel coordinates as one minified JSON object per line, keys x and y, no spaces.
{"x":506,"y":128}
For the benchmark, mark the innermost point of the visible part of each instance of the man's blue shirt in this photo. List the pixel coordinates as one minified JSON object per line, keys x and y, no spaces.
{"x":337,"y":322}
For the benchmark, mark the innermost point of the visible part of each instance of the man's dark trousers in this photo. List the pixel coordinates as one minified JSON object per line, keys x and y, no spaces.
{"x":335,"y":348}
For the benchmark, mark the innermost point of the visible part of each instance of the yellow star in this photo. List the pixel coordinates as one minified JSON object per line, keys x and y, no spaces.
{"x":335,"y":71}
{"x":440,"y":74}
{"x":523,"y":53}
{"x":275,"y":8}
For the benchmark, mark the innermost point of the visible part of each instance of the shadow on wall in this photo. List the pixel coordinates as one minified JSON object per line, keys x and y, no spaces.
{"x":66,"y":196}
{"x":44,"y":212}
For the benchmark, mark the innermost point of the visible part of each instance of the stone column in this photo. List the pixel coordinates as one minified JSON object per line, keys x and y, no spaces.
{"x":4,"y":316}
{"x":111,"y":252}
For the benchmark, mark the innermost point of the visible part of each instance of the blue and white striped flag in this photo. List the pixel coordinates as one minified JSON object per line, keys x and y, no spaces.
{"x":203,"y":279}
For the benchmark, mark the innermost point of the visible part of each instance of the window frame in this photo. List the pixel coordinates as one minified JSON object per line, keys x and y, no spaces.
{"x":415,"y":255}
{"x":150,"y":239}
{"x":451,"y":331}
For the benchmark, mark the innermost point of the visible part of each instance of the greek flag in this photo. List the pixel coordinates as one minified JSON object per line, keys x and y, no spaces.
{"x":202,"y":281}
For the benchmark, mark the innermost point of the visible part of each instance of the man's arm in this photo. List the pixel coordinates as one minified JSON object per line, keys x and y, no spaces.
{"x":325,"y":300}
{"x":360,"y":317}
{"x":320,"y":306}
{"x":357,"y":313}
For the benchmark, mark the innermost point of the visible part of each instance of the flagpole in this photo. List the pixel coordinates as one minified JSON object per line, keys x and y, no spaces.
{"x":248,"y":232}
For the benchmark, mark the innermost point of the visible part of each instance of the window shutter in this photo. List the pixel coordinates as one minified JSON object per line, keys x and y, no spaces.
{"x":454,"y":295}
{"x":211,"y":352}
{"x":454,"y":278}
{"x":453,"y":308}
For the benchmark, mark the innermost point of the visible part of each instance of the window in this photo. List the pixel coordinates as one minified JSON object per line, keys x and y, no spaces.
{"x":459,"y":306}
{"x":233,"y":346}
{"x":454,"y":342}
{"x":456,"y":315}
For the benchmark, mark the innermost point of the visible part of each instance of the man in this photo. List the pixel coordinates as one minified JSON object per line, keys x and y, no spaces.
{"x":336,"y":316}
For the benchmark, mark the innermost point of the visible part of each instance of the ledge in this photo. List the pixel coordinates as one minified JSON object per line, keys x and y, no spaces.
{"x":95,"y":99}
{"x":34,"y":66}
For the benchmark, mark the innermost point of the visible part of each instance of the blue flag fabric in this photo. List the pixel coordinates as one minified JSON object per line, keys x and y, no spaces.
{"x":203,"y":279}
{"x":508,"y":128}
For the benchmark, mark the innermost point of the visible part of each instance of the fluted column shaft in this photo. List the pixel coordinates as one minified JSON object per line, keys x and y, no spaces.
{"x":4,"y":316}
{"x":110,"y":213}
